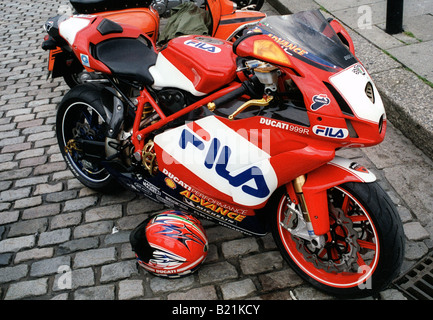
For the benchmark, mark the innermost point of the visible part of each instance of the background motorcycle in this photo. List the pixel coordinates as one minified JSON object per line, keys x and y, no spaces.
{"x":141,"y":14}
{"x":162,"y":6}
{"x":244,"y":133}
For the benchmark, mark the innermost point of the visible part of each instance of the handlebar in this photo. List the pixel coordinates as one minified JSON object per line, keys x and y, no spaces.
{"x":252,"y":87}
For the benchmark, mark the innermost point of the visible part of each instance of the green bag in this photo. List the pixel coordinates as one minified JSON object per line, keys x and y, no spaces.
{"x":186,"y":19}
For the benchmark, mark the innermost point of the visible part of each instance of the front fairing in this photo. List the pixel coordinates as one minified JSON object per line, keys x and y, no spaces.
{"x":341,"y":100}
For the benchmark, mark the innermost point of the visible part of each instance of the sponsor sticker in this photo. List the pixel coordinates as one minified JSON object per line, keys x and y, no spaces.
{"x":319,"y":101}
{"x":202,"y":46}
{"x":222,"y":158}
{"x":85,"y":60}
{"x":330,"y":132}
{"x":357,"y":167}
{"x":358,"y":69}
{"x":205,"y":204}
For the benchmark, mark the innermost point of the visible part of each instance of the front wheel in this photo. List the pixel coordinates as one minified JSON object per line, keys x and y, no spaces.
{"x":363,"y":251}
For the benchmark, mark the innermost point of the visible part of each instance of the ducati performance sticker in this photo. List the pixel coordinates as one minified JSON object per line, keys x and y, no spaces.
{"x":202,"y":46}
{"x":194,"y":200}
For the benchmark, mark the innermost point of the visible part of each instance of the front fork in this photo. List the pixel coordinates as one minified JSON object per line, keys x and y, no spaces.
{"x":307,"y":213}
{"x":296,"y":217}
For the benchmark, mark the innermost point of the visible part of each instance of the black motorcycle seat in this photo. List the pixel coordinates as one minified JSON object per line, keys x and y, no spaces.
{"x":127,"y":58}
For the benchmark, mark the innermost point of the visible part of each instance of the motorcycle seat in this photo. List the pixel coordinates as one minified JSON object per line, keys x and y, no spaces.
{"x":127,"y":58}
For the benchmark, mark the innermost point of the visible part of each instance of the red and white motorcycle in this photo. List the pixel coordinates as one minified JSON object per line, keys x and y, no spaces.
{"x":243,"y":133}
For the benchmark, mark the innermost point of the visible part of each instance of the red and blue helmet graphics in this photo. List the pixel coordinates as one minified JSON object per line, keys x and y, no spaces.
{"x":170,"y":244}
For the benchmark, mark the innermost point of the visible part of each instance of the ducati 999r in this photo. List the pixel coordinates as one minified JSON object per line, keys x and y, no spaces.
{"x":244,"y":133}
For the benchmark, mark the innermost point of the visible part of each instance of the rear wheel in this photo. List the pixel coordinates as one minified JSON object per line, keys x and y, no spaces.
{"x":363,"y":250}
{"x":81,"y":115}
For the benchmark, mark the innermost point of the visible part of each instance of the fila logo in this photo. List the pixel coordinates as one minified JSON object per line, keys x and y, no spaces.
{"x":330,"y":132}
{"x":219,"y":164}
{"x":220,"y":157}
{"x":203,"y":46}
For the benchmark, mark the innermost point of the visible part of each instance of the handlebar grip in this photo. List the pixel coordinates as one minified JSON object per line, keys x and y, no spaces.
{"x":251,"y":87}
{"x":230,"y":96}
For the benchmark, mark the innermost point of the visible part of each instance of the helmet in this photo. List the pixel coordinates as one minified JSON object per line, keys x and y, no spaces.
{"x":170,"y":244}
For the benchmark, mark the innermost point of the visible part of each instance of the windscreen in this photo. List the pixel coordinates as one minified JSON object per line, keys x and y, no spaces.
{"x":308,"y":36}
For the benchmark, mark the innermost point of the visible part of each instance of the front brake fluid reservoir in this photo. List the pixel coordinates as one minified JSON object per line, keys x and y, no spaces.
{"x":268,"y":76}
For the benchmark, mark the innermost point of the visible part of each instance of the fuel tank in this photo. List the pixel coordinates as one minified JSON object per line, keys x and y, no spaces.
{"x":197,"y":64}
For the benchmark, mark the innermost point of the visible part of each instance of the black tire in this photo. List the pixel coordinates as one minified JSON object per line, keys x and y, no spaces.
{"x":81,"y":114}
{"x":361,"y":212}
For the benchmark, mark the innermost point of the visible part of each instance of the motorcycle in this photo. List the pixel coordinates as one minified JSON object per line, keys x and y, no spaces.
{"x":143,"y":15}
{"x":163,"y":7}
{"x":243,"y":133}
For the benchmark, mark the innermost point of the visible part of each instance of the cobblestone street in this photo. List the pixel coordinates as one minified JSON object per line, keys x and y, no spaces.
{"x":60,"y":240}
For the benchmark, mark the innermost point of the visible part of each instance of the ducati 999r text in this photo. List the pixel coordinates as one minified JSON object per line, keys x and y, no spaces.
{"x":244,"y":133}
